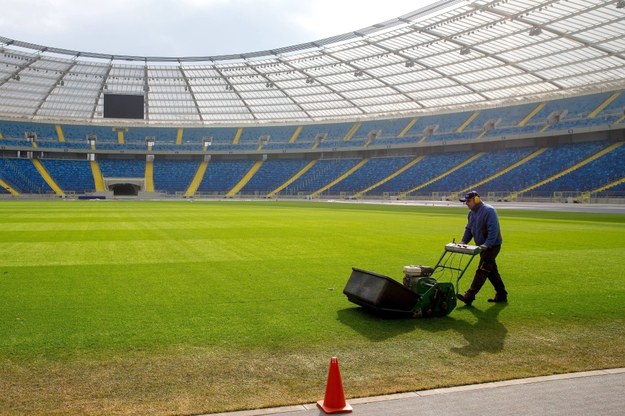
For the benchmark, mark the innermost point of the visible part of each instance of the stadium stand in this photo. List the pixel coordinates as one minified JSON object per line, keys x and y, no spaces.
{"x":421,"y":157}
{"x":22,"y":176}
{"x":553,"y":160}
{"x":80,"y":132}
{"x":272,"y":174}
{"x":122,"y":168}
{"x":323,"y":172}
{"x":222,"y":175}
{"x":419,"y":174}
{"x":597,"y":172}
{"x":71,"y":175}
{"x":375,"y":170}
{"x":469,"y":176}
{"x":17,"y":129}
{"x":173,"y":176}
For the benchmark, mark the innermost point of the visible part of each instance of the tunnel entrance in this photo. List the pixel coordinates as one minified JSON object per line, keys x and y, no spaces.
{"x":124,"y":186}
{"x":125,"y":189}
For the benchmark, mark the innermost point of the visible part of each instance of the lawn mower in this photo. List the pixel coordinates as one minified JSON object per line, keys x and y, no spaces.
{"x":425,"y":292}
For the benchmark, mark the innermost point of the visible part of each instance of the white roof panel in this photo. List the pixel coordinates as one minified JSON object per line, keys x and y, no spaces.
{"x":450,"y":55}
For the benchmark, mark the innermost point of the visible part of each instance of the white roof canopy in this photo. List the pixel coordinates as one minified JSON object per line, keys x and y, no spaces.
{"x":452,"y":55}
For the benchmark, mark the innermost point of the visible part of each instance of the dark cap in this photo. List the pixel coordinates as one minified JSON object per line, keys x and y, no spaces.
{"x":469,"y":195}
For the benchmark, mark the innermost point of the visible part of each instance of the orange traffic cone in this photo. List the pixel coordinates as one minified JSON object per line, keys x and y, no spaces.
{"x":334,"y":401}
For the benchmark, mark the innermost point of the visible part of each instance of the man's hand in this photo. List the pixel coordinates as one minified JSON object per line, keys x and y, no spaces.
{"x":484,"y":247}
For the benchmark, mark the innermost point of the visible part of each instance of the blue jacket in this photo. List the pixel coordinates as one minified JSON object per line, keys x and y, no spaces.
{"x":483,"y":226}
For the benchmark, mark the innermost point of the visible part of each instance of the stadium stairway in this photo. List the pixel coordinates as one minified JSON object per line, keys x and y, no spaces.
{"x":608,"y":186}
{"x":149,"y":176}
{"x":197,"y":180}
{"x":59,"y":133}
{"x":408,"y":127}
{"x":604,"y":104}
{"x":292,"y":179}
{"x":98,"y":179}
{"x":455,"y":168}
{"x":348,"y":136}
{"x":8,"y":188}
{"x":245,"y":179}
{"x":295,"y":134}
{"x":408,"y":165}
{"x":340,"y":178}
{"x":571,"y":169}
{"x":531,"y":114}
{"x":46,"y":177}
{"x":467,"y":122}
{"x":237,"y":136}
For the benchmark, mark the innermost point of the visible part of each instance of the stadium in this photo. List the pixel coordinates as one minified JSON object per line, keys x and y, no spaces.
{"x":175,"y":243}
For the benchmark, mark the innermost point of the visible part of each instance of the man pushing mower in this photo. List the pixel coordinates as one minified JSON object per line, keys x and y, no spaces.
{"x":483,"y":227}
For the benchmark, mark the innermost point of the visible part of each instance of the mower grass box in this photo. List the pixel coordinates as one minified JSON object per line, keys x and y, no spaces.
{"x":379,"y":292}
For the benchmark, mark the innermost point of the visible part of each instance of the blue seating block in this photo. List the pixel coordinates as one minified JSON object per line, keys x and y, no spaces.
{"x":22,"y":176}
{"x":71,"y":175}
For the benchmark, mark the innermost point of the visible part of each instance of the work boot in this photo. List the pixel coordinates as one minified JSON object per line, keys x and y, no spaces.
{"x":467,"y":298}
{"x":499,"y":298}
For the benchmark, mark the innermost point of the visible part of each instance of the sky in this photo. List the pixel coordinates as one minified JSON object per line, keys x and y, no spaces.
{"x":179,"y":28}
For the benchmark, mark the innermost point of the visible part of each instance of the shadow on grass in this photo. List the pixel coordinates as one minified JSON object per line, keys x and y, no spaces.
{"x":376,"y":326}
{"x":485,"y":335}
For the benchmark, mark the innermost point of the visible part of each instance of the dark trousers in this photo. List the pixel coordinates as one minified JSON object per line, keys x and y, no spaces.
{"x":487,"y":269}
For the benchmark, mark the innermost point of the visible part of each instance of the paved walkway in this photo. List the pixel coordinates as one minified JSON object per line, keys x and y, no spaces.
{"x":600,"y":392}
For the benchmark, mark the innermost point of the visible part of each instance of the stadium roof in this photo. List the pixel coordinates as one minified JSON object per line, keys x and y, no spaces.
{"x":451,"y":55}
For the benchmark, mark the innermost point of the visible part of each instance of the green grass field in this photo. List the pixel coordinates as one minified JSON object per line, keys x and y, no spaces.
{"x":129,"y":307}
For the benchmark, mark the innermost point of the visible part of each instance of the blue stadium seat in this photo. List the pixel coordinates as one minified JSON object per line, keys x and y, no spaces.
{"x":71,"y":175}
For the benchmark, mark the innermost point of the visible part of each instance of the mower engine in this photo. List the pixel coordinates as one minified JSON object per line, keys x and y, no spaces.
{"x":434,"y":298}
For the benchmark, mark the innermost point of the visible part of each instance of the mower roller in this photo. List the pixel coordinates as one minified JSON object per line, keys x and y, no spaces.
{"x":425,"y":291}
